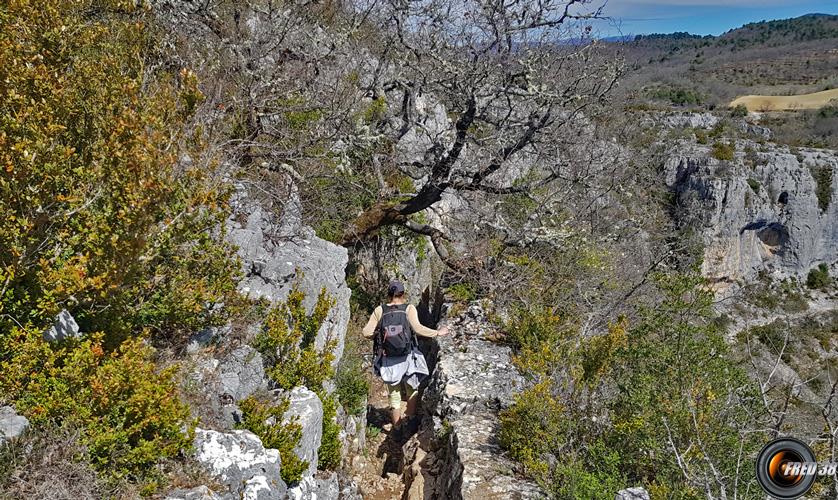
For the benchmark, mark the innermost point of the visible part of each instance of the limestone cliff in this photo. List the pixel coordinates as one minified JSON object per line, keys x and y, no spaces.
{"x":766,"y":210}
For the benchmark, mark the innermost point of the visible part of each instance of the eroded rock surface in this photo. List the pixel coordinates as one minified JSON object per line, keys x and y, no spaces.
{"x":456,"y":453}
{"x":240,"y":462}
{"x":760,"y":211}
{"x":277,"y":249}
{"x":632,"y":494}
{"x":307,"y":409}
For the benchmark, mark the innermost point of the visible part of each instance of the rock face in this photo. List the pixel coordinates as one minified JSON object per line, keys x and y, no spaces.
{"x":65,"y":326}
{"x":240,"y":462}
{"x":277,"y":250}
{"x":306,"y":407}
{"x":12,"y":425}
{"x":760,"y":211}
{"x":455,"y":454}
{"x":220,"y":383}
{"x":707,"y":121}
{"x":241,"y":374}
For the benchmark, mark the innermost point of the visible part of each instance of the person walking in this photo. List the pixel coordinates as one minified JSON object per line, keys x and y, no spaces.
{"x":393,"y":326}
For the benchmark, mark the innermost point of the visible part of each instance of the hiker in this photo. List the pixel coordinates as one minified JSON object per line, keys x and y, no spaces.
{"x":397,"y":359}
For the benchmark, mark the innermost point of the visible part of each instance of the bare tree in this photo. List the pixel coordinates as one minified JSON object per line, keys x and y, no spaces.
{"x":515,"y":87}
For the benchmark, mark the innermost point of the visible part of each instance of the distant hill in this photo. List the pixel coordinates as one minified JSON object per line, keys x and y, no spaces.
{"x":800,"y":29}
{"x":782,"y":57}
{"x":808,"y":27}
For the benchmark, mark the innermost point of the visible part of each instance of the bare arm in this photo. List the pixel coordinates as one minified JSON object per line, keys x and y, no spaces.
{"x":419,"y":328}
{"x":369,"y":328}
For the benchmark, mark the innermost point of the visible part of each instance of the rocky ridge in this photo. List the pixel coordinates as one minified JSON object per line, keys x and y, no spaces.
{"x":455,"y":453}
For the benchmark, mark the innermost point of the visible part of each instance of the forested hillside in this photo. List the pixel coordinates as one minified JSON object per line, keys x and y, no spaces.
{"x":202,"y":203}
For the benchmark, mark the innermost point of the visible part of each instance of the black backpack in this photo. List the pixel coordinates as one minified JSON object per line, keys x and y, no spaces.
{"x":394,"y":337}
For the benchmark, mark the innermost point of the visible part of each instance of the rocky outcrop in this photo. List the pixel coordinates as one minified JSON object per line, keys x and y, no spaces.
{"x":455,"y":454}
{"x":12,"y":425}
{"x":221,"y":380}
{"x":238,"y":460}
{"x":707,"y":121}
{"x":760,"y":211}
{"x":352,"y":433}
{"x":279,"y":250}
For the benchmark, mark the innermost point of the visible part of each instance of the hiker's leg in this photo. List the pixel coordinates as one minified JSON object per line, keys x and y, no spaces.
{"x":395,"y":394}
{"x":412,"y":400}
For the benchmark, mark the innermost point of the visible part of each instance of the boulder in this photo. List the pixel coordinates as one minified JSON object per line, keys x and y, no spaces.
{"x":12,"y":425}
{"x":65,"y":326}
{"x":239,"y":461}
{"x":307,"y":408}
{"x":278,"y":250}
{"x":632,"y":494}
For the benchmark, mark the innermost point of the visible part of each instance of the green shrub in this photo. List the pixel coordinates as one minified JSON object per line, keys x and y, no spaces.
{"x":351,"y":385}
{"x":739,"y":111}
{"x":818,"y":278}
{"x":280,"y":436}
{"x":287,"y":344}
{"x":667,"y":381}
{"x":127,"y":410}
{"x":823,"y":188}
{"x":723,"y":151}
{"x":99,"y":215}
{"x":754,"y":184}
{"x":462,"y":292}
{"x":328,"y":455}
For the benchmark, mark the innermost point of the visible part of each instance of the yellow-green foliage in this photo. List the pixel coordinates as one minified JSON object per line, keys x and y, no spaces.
{"x":724,"y":152}
{"x":287,"y":342}
{"x":127,"y":409}
{"x":102,"y":214}
{"x":292,"y":358}
{"x":280,"y":436}
{"x":328,"y":455}
{"x":667,"y":379}
{"x":96,"y":213}
{"x":462,"y":292}
{"x":376,"y":111}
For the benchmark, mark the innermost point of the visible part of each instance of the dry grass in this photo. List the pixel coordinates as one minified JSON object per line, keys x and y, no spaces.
{"x":762,"y":103}
{"x":46,"y":464}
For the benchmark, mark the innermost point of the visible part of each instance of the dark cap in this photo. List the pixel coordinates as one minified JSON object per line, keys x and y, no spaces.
{"x":395,"y":288}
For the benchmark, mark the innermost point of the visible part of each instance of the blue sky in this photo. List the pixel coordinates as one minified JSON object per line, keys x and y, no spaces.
{"x":702,"y":17}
